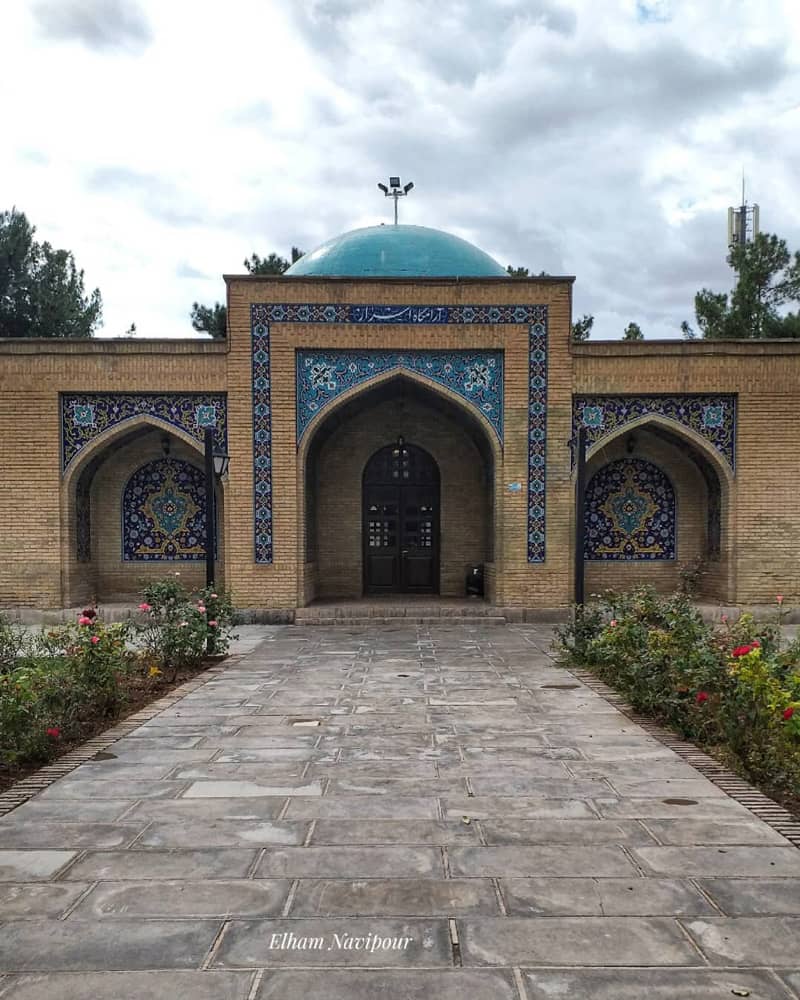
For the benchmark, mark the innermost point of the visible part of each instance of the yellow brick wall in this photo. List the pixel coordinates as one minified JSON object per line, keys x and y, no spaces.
{"x":761,"y":518}
{"x":37,"y":564}
{"x":283,"y":583}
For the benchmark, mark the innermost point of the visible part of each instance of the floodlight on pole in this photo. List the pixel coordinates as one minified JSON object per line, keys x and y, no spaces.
{"x":397,"y":191}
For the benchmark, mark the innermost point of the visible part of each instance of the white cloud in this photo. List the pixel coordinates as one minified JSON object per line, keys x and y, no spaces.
{"x":164,"y":143}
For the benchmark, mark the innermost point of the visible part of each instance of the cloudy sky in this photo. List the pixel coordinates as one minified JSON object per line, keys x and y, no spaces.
{"x":163,"y":142}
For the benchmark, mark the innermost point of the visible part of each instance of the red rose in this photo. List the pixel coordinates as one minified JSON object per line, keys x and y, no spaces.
{"x":702,"y":696}
{"x":54,"y":733}
{"x":755,"y":644}
{"x":788,"y":712}
{"x":741,"y":651}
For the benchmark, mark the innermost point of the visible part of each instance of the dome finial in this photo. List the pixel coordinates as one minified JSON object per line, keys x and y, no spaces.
{"x":396,"y":192}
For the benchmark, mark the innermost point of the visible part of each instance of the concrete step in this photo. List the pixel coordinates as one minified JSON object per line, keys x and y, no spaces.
{"x":331,"y":621}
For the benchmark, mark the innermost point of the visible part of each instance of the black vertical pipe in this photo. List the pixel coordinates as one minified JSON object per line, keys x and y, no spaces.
{"x":210,"y":520}
{"x":580,"y":516}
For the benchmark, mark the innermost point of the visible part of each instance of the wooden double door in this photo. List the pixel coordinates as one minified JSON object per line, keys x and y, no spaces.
{"x":401,"y":521}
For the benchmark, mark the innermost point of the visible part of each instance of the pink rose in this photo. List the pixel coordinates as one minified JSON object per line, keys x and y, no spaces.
{"x":144,"y":606}
{"x":212,"y":624}
{"x":84,"y":620}
{"x":779,"y":598}
{"x":724,"y":619}
{"x":201,"y":608}
{"x":95,"y":639}
{"x":613,"y":623}
{"x":214,"y":596}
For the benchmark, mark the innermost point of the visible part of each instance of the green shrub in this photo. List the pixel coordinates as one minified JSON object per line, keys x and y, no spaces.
{"x":176,"y":628}
{"x":732,"y":685}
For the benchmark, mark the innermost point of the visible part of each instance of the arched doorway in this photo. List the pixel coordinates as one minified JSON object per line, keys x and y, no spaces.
{"x":400,"y":510}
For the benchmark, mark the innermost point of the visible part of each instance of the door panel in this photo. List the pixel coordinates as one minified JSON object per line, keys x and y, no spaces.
{"x":401,"y":521}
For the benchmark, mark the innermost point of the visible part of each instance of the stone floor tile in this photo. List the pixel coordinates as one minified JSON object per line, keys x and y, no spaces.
{"x":677,"y":807}
{"x":222,"y":833}
{"x":709,"y":861}
{"x":713,"y":831}
{"x":332,"y":984}
{"x":739,"y":897}
{"x":91,"y":945}
{"x":34,"y":833}
{"x":185,"y":898}
{"x":521,"y":807}
{"x":360,"y":942}
{"x":394,"y":897}
{"x":70,"y":810}
{"x":653,"y":984}
{"x":363,"y":807}
{"x":153,"y":864}
{"x":746,"y":941}
{"x":574,"y":941}
{"x":562,"y":831}
{"x":24,"y":866}
{"x":692,"y":788}
{"x":128,"y":986}
{"x":350,"y":862}
{"x":244,"y":789}
{"x":73,"y":788}
{"x":388,"y":832}
{"x":201,"y":810}
{"x":618,"y":897}
{"x":524,"y":860}
{"x":37,"y":899}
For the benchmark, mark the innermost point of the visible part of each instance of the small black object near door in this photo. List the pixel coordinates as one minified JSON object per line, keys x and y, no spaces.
{"x":401,"y":521}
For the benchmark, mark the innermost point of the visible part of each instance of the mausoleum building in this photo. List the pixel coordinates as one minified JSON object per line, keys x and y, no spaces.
{"x":397,"y":410}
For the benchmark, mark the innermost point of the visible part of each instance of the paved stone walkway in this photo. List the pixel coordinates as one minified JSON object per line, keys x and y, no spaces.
{"x":465,"y":822}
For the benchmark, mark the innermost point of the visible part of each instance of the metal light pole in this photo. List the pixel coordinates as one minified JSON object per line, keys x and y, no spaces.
{"x":211,"y":541}
{"x":580,"y":513}
{"x":397,"y":191}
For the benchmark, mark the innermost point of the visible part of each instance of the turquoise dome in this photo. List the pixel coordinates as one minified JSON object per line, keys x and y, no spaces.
{"x":397,"y":252}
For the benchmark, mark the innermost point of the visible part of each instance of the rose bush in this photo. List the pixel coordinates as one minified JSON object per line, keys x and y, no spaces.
{"x":64,"y":681}
{"x":735,"y":686}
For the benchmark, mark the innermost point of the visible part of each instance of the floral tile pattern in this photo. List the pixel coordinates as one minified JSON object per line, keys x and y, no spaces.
{"x":164,"y":513}
{"x":537,"y":437}
{"x":712,"y":417}
{"x":316,"y":388}
{"x":630,"y":512}
{"x":476,"y":376}
{"x":84,"y":416}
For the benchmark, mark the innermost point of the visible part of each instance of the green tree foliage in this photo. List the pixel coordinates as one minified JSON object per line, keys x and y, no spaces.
{"x":518,"y":272}
{"x":274,"y":264}
{"x":633,"y":332}
{"x":582,"y":327}
{"x":767,"y":280}
{"x":210,"y":319}
{"x":214,"y":319}
{"x":41,"y":290}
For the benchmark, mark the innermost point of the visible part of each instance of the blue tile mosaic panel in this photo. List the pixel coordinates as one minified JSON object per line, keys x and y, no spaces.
{"x":84,"y":416}
{"x":262,"y":436}
{"x":315,"y":312}
{"x":537,"y":438}
{"x":712,"y":417}
{"x":164,"y":513}
{"x":484,"y":391}
{"x":475,"y":376}
{"x":630,"y":513}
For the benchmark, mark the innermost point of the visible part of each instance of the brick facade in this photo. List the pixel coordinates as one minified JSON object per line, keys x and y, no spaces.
{"x":484,"y":494}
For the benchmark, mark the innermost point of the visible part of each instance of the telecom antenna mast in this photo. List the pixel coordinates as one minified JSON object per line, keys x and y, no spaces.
{"x":742,"y":222}
{"x":397,"y":191}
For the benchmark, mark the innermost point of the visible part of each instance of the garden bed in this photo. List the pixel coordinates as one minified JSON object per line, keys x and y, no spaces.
{"x":135,"y":693}
{"x":63,"y":685}
{"x":733,"y":689}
